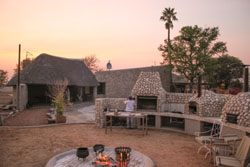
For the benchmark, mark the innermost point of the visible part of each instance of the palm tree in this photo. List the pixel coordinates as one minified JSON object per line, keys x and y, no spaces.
{"x":168,"y":16}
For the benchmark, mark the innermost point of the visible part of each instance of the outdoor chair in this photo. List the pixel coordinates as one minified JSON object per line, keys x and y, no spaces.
{"x":226,"y":141}
{"x":226,"y":158}
{"x":204,"y":138}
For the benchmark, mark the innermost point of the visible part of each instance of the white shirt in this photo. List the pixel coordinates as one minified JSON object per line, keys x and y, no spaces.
{"x":130,"y":104}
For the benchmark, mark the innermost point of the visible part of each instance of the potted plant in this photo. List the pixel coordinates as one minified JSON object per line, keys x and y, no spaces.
{"x":60,"y":108}
{"x":56,"y":93}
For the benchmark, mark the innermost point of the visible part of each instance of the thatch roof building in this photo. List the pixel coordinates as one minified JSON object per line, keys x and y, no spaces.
{"x":46,"y":69}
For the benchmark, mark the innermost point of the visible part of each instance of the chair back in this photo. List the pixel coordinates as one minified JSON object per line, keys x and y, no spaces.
{"x":242,"y":153}
{"x":216,"y":130}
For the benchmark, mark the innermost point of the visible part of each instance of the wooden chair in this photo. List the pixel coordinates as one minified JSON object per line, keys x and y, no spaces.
{"x":227,"y":159}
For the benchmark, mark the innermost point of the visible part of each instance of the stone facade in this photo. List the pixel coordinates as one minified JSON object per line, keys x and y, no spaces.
{"x":102,"y":103}
{"x":149,"y":84}
{"x":175,"y":102}
{"x":238,"y":105}
{"x":180,"y":98}
{"x":119,"y":83}
{"x":209,"y":104}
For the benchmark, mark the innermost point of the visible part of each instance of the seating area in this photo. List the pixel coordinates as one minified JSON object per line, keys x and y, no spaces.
{"x":225,"y":157}
{"x":225,"y":150}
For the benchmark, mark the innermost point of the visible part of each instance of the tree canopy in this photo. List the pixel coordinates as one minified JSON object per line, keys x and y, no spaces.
{"x":224,"y":70}
{"x":92,"y":63}
{"x":24,"y":63}
{"x":192,"y":50}
{"x":3,"y":78}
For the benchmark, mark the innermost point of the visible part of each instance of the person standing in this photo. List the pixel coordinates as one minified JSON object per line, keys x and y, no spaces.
{"x":130,"y":106}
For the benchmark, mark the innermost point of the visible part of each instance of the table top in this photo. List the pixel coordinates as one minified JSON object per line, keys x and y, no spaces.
{"x":69,"y":158}
{"x":126,"y":114}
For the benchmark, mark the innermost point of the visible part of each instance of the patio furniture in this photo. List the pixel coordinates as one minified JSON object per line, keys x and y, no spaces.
{"x":229,"y":141}
{"x":204,"y":138}
{"x":227,"y":159}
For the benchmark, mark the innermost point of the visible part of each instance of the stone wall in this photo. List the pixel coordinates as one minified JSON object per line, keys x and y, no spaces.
{"x":119,"y":83}
{"x":209,"y":104}
{"x":111,"y":103}
{"x":238,"y":105}
{"x":180,"y":98}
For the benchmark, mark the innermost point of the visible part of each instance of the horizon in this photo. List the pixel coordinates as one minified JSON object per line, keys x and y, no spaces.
{"x":126,"y":33}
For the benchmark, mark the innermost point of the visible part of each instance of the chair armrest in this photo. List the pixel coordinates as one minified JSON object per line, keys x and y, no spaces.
{"x":197,"y":134}
{"x":229,"y":135}
{"x":221,"y":144}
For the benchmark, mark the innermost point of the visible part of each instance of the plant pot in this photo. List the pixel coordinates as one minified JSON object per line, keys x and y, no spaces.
{"x":60,"y":119}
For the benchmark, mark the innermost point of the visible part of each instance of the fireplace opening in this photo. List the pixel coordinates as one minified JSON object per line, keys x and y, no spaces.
{"x":232,"y":118}
{"x":192,"y":107}
{"x":147,"y":103}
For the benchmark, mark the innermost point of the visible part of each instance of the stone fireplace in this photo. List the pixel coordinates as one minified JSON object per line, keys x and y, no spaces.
{"x":148,"y":92}
{"x":209,"y":104}
{"x":237,"y":110}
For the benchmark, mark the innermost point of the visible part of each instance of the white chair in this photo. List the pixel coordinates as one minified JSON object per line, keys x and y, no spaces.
{"x":204,"y":138}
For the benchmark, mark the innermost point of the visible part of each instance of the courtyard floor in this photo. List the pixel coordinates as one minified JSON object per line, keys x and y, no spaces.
{"x":33,"y":147}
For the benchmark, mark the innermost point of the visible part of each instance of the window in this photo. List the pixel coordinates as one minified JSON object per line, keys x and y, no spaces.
{"x":101,"y":88}
{"x":232,"y":118}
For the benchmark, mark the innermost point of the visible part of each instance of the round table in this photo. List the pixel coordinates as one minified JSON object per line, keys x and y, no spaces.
{"x":69,"y":159}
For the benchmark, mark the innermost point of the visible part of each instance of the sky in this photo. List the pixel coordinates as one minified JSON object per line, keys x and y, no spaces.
{"x":126,"y":32}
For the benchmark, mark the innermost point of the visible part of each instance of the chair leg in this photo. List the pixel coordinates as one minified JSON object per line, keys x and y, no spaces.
{"x":209,"y":152}
{"x":200,"y":149}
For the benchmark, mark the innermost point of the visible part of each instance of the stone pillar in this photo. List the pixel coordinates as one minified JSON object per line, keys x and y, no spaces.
{"x":23,"y":96}
{"x":157,"y":121}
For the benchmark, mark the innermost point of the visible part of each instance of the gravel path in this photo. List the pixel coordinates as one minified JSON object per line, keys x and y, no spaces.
{"x":84,"y":114}
{"x":33,"y":147}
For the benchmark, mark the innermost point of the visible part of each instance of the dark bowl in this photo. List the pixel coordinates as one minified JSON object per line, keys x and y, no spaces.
{"x":82,"y":152}
{"x":98,"y":148}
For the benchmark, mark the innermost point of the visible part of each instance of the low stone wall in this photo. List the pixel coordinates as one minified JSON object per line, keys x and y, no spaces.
{"x":102,"y":103}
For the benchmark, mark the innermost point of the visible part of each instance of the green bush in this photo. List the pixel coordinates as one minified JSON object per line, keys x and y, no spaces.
{"x":59,"y":104}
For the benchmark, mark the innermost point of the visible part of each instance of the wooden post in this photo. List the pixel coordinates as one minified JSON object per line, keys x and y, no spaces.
{"x":18,"y":78}
{"x":245,"y":76}
{"x":199,"y":86}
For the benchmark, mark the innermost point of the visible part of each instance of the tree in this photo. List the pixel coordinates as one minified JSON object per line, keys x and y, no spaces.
{"x":192,"y":49}
{"x":224,"y":70}
{"x":3,"y":78}
{"x":91,"y":62}
{"x":168,"y":16}
{"x":24,"y":63}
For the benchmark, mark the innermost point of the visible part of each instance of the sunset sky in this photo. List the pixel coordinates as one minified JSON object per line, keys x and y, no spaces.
{"x":126,"y":32}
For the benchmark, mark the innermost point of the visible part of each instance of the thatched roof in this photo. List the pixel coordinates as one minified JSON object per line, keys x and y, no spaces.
{"x":47,"y":69}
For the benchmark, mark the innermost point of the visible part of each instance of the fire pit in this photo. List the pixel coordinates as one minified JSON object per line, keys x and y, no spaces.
{"x":122,"y":156}
{"x":109,"y":158}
